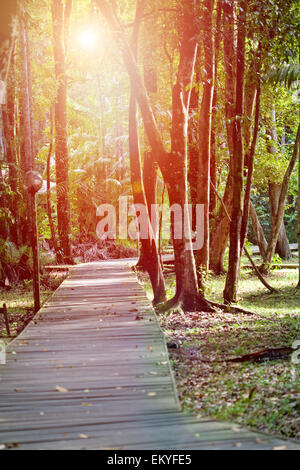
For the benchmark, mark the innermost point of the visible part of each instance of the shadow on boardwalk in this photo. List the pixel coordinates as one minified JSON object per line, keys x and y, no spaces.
{"x":92,"y":372}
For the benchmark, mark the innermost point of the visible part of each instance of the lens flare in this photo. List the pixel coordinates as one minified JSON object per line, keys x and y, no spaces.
{"x":88,"y":38}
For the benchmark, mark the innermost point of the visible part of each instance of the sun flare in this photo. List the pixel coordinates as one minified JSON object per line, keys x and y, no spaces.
{"x":88,"y":38}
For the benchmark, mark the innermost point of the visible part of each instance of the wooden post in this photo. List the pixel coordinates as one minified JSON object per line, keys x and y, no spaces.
{"x":35,"y":253}
{"x":4,"y":311}
{"x":34,"y":182}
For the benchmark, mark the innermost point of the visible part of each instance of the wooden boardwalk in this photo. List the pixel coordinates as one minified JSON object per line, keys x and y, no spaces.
{"x":92,"y":372}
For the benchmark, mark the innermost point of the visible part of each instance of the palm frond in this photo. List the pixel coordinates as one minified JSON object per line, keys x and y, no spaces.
{"x":288,"y":75}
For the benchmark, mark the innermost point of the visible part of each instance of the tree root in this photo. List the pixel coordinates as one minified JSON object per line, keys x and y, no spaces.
{"x":202,"y":305}
{"x":271,"y":354}
{"x":176,"y":305}
{"x":264,"y":355}
{"x":231,"y":308}
{"x":169,"y":307}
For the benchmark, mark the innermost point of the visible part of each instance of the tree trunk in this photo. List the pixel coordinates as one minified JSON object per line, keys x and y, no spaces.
{"x":150,"y":185}
{"x":150,"y":188}
{"x":25,"y":134}
{"x":193,"y":141}
{"x":213,"y":165}
{"x":220,"y":231}
{"x":149,"y":257}
{"x":258,"y":230}
{"x":61,"y":148}
{"x":203,"y":177}
{"x":27,"y":155}
{"x":8,"y":115}
{"x":49,"y":209}
{"x":249,"y":162}
{"x":237,"y":167}
{"x":25,"y":101}
{"x":282,"y":246}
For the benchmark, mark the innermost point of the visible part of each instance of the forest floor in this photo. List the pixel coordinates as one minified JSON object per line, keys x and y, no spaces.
{"x":264,"y":395}
{"x":19,"y":302}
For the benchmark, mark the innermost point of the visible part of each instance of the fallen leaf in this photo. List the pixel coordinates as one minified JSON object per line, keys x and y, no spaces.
{"x":236,"y":429}
{"x":259,"y":441}
{"x":11,"y":445}
{"x":61,"y":389}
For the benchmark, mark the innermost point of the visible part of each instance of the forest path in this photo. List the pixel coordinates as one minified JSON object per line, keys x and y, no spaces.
{"x":92,"y":372}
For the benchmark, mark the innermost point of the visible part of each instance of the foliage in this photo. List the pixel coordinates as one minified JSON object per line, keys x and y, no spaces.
{"x":15,"y":262}
{"x":19,"y":301}
{"x":289,"y":75}
{"x":204,"y":279}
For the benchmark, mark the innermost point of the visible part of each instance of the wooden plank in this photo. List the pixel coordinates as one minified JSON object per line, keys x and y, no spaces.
{"x":94,"y":363}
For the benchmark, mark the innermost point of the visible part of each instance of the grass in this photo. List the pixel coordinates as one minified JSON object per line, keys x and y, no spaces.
{"x":265,"y":396}
{"x":19,"y":302}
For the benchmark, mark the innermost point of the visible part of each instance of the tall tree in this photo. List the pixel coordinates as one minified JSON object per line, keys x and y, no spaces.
{"x":149,"y":258}
{"x":221,"y":226}
{"x":31,"y":179}
{"x":237,"y":165}
{"x":213,"y":162}
{"x":25,"y":103}
{"x":60,"y":19}
{"x":7,"y":75}
{"x":205,"y":119}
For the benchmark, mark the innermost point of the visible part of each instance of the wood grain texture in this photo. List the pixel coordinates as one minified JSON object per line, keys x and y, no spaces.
{"x":93,"y":363}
